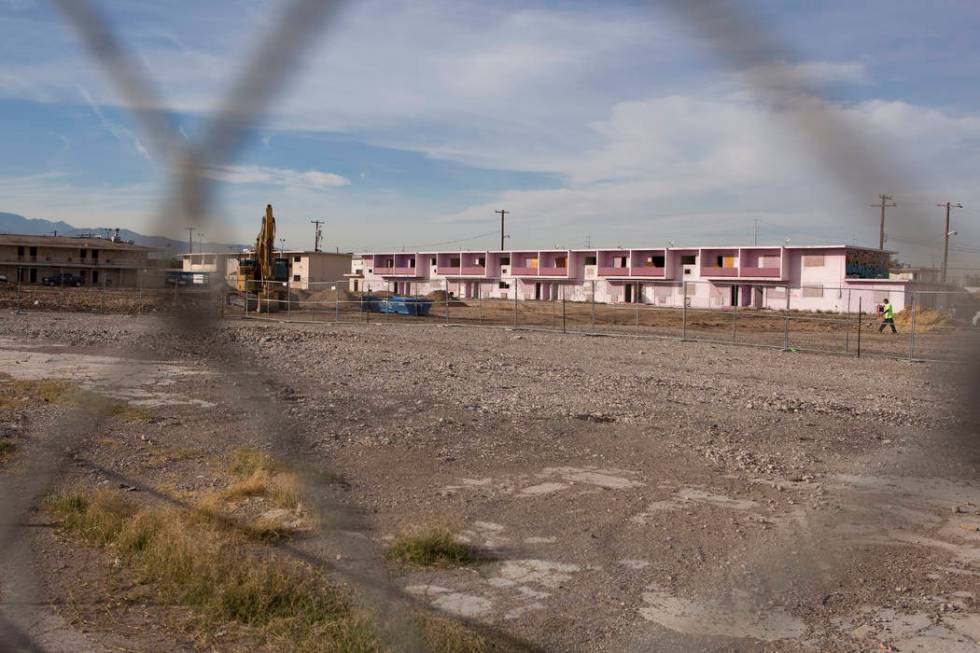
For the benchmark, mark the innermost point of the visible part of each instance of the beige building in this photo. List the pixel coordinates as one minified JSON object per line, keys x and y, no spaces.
{"x":215,"y":264}
{"x":307,"y":267}
{"x":109,"y":262}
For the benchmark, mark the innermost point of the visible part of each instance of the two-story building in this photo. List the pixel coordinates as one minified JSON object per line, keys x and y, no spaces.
{"x":110,"y":262}
{"x":819,"y":277}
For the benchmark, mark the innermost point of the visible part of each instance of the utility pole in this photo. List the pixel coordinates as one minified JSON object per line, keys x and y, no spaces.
{"x":190,"y":240}
{"x":503,"y":213}
{"x":317,"y":234}
{"x":886,"y":201}
{"x":755,"y":231}
{"x":947,"y":233}
{"x":588,"y":240}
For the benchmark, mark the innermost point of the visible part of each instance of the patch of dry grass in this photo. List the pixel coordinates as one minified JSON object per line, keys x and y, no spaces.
{"x":220,"y":574}
{"x":432,"y":546}
{"x":131,"y":413}
{"x":259,"y":474}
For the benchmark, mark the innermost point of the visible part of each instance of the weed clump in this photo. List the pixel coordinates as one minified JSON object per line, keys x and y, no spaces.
{"x":434,"y":546}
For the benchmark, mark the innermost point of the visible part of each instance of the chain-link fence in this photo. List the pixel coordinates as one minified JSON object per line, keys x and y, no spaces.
{"x":928,"y":325}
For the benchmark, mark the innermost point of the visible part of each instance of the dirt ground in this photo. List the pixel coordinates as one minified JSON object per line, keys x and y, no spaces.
{"x":629,"y":494}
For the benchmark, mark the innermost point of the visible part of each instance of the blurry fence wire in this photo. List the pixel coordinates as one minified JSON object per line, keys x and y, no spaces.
{"x":197,"y":310}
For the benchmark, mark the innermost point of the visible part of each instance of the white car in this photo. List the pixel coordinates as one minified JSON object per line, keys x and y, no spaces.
{"x":3,"y":278}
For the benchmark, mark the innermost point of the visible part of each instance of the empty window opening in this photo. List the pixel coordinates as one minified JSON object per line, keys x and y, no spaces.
{"x":505,"y":260}
{"x":689,"y":259}
{"x":590,"y":260}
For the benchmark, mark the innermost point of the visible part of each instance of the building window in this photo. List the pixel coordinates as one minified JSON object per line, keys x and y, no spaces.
{"x":296,"y":259}
{"x":432,"y":261}
{"x":503,"y":285}
{"x":658,"y":261}
{"x":505,"y":260}
{"x":813,"y":261}
{"x":411,"y":262}
{"x":296,"y":277}
{"x":454,"y":262}
{"x":20,"y":250}
{"x":82,"y":253}
{"x":689,"y":259}
{"x":370,"y":270}
{"x":590,"y":260}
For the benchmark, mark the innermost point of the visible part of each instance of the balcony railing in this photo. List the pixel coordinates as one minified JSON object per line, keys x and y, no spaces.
{"x":383,"y":271}
{"x":718,"y":272}
{"x":606,"y":271}
{"x":553,"y":272}
{"x":475,"y":270}
{"x":447,"y":269}
{"x":523,"y":271}
{"x":752,"y":271}
{"x":647,"y":271}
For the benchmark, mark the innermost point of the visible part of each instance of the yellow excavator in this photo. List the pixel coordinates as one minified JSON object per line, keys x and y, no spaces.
{"x":261,"y":274}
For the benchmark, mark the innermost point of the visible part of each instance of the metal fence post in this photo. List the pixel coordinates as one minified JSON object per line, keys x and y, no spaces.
{"x":447,"y":301}
{"x":786,"y":322}
{"x":19,"y":275}
{"x":367,"y":313}
{"x":553,"y":313}
{"x":103,"y":291}
{"x":912,"y":330}
{"x":859,"y":327}
{"x":336,"y":304}
{"x":139,"y":287}
{"x":517,"y":283}
{"x":593,"y":308}
{"x":561,"y":290}
{"x":683,"y":311}
{"x":637,"y":319}
{"x":734,"y":317}
{"x":847,"y":332}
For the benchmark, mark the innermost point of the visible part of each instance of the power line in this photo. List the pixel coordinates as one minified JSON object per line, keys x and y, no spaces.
{"x":451,"y":242}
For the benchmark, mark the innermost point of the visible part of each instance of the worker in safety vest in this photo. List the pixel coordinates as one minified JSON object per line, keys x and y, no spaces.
{"x":888,"y":317}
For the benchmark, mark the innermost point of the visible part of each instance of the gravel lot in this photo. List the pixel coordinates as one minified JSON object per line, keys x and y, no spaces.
{"x":632,"y":494}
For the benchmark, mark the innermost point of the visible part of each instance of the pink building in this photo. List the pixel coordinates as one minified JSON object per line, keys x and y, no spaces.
{"x":825,"y":277}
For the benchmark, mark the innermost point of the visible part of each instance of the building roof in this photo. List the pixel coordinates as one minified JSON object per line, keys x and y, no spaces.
{"x":618,"y":249}
{"x":92,"y":242}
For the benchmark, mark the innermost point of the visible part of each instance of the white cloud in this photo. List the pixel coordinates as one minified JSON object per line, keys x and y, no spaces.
{"x":245,"y":174}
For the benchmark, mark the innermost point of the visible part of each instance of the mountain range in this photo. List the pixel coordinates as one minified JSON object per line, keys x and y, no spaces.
{"x":13,"y":223}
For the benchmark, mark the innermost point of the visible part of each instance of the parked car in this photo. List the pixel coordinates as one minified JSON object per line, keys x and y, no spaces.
{"x":63,"y":279}
{"x":3,"y":278}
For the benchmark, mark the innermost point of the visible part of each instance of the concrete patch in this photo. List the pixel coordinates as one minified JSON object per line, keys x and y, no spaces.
{"x":542,"y":488}
{"x":702,"y":618}
{"x":139,"y":382}
{"x":540,"y":540}
{"x":447,"y":600}
{"x":634,"y":564}
{"x":540,"y":572}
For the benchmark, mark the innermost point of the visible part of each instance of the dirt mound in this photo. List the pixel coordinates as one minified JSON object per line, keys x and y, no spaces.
{"x":439,"y":297}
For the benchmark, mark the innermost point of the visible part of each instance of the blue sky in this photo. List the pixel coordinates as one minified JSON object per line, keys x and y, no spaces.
{"x":408,"y":123}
